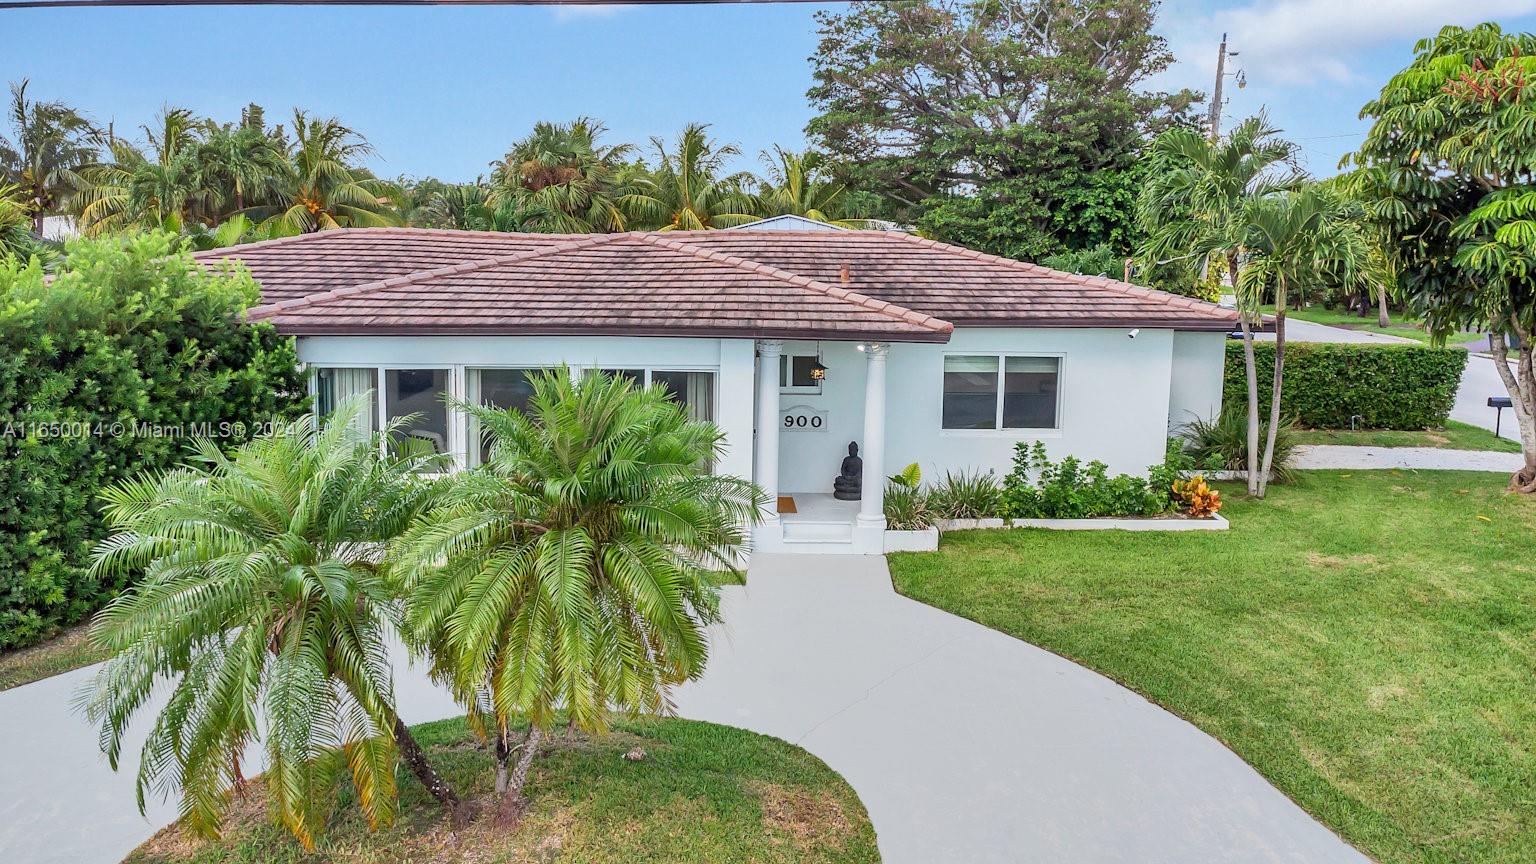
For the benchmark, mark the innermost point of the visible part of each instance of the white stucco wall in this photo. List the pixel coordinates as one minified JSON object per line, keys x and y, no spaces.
{"x":1195,"y":389}
{"x":731,"y":359}
{"x":1115,"y":397}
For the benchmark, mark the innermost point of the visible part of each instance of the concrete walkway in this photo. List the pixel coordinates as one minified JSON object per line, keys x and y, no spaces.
{"x":965,"y":744}
{"x":1426,"y":458}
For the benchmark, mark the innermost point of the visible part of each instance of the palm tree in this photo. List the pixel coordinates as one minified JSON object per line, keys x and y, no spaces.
{"x":688,"y":190}
{"x":476,"y":207}
{"x":1194,"y":204}
{"x":261,"y":597}
{"x":163,"y":188}
{"x":323,"y":185}
{"x":572,"y":569}
{"x":562,"y":172}
{"x":241,"y":162}
{"x":14,"y":221}
{"x":796,"y":187}
{"x":49,"y":143}
{"x":1293,"y":238}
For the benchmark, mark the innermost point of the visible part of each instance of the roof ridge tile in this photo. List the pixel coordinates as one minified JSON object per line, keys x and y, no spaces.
{"x":1165,"y":297}
{"x":924,"y":320}
{"x":257,"y":313}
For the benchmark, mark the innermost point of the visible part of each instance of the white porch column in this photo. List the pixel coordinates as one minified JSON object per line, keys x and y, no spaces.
{"x":766,"y":455}
{"x":872,"y":501}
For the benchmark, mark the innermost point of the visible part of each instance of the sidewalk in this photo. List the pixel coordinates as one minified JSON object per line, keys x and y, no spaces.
{"x":1425,"y":458}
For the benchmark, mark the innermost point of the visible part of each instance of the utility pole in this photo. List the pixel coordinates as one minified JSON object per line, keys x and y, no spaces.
{"x":1221,"y":74}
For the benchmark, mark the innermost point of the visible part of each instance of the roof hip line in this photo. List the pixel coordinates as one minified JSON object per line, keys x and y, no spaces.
{"x":900,"y":313}
{"x":259,"y":312}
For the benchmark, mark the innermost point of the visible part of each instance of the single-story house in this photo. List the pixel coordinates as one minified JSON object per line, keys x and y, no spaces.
{"x":795,"y":340}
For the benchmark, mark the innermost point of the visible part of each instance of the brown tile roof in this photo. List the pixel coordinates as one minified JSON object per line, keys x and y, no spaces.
{"x":607,"y":284}
{"x":718,"y":283}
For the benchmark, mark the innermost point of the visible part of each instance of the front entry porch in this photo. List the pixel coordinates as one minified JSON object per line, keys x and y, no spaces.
{"x":815,"y":521}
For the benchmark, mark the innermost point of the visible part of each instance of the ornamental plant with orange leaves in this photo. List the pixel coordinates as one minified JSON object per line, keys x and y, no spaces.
{"x":1197,"y":498}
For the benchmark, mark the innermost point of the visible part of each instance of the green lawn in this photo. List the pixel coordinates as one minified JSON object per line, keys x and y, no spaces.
{"x":1452,"y":436}
{"x":1366,"y":640}
{"x":68,"y":650}
{"x":704,"y":793}
{"x":1408,"y":329}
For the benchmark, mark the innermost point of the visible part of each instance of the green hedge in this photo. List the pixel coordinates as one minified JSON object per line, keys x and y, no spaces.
{"x":100,"y":369}
{"x":1387,"y":386}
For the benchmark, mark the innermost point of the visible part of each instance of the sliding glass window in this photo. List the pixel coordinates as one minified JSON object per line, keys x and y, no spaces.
{"x":998,"y":391}
{"x":507,"y":389}
{"x":418,"y":393}
{"x":335,"y":386}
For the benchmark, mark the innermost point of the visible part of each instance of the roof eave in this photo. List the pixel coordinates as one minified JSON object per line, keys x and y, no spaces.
{"x":822,"y":334}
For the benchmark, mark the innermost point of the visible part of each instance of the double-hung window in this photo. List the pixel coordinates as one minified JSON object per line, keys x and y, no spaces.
{"x":1001,"y":391}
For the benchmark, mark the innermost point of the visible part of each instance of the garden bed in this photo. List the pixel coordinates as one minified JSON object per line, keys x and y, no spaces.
{"x":1168,"y":522}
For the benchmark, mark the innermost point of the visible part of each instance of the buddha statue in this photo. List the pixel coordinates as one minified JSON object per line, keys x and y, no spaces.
{"x":850,"y":479}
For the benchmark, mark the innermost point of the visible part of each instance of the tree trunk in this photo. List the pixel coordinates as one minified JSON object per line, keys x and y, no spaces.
{"x":1521,"y":384}
{"x":416,"y":760}
{"x":1274,"y":393}
{"x":1382,"y":320}
{"x":513,"y":802}
{"x":1250,"y":369}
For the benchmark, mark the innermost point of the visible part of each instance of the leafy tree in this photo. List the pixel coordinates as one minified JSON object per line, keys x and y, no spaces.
{"x":689,"y":190}
{"x":1101,"y":260}
{"x":1011,"y":126}
{"x":1293,"y":238}
{"x":126,"y":334}
{"x":798,"y":185}
{"x":48,"y":145}
{"x":573,"y":569}
{"x":262,"y":598}
{"x":324,"y":186}
{"x":1195,"y":206}
{"x":562,"y":173}
{"x":1451,"y":156}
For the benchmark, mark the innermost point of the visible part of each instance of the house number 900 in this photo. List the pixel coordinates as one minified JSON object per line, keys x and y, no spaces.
{"x":801,"y":421}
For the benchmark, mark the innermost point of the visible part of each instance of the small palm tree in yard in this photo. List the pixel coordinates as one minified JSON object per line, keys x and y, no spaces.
{"x":261,"y":598}
{"x":572,"y":570}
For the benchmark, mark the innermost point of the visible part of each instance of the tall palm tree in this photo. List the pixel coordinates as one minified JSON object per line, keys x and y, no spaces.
{"x":165,"y":187}
{"x":477,"y":207}
{"x":261,"y":597}
{"x":1291,"y":239}
{"x":572,"y":569}
{"x":242,"y":162}
{"x":795,"y":186}
{"x":1194,"y":205}
{"x":689,"y":191}
{"x":324,"y":186}
{"x":564,"y":173}
{"x":48,"y":145}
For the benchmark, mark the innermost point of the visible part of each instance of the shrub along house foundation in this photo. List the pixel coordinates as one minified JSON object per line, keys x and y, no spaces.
{"x":794,"y":342}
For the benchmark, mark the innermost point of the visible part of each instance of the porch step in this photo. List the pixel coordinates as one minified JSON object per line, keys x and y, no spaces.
{"x":806,"y":531}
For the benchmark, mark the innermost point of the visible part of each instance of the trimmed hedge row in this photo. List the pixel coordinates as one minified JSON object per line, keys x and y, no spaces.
{"x":1381,"y":386}
{"x":104,"y":374}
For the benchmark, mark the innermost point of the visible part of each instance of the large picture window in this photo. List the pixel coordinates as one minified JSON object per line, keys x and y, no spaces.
{"x":999,"y":391}
{"x":418,"y":393}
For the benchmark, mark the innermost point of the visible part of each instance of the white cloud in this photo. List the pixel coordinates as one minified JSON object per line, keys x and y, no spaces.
{"x":1308,"y":41}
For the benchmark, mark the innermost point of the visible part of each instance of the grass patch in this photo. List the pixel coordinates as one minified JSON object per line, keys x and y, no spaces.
{"x":1451,"y":436}
{"x":1409,"y":328}
{"x":70,"y":649}
{"x":1364,"y":639}
{"x":704,"y":793}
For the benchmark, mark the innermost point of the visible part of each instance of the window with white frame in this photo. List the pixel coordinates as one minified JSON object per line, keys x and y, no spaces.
{"x":418,"y":394}
{"x":695,"y":390}
{"x":1001,"y":391}
{"x":335,"y":386}
{"x":504,"y":388}
{"x":797,"y":373}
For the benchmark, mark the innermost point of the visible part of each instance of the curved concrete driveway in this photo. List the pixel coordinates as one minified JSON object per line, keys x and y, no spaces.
{"x":965,"y":744}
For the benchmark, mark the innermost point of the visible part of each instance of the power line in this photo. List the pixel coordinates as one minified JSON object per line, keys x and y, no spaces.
{"x":62,"y":4}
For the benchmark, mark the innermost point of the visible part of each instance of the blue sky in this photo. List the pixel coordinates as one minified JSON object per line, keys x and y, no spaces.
{"x":443,"y":91}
